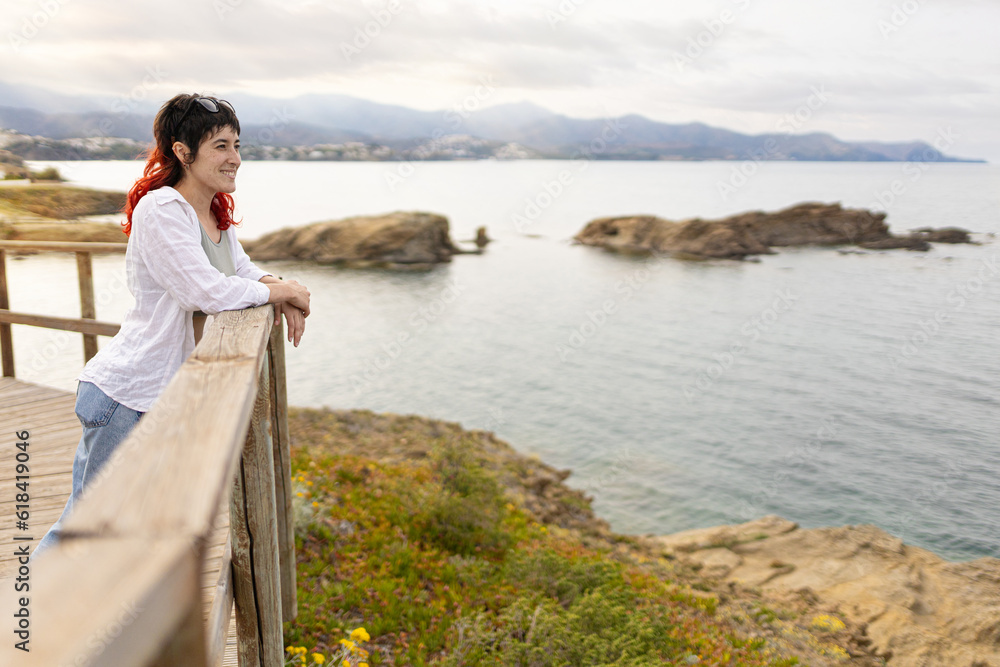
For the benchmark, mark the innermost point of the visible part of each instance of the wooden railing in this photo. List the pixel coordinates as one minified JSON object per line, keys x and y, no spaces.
{"x":86,"y":324}
{"x":123,"y":586}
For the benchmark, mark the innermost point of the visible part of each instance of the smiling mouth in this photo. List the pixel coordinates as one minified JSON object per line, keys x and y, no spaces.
{"x":231,"y":173}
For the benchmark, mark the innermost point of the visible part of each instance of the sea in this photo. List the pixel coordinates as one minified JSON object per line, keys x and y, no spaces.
{"x":829,"y":386}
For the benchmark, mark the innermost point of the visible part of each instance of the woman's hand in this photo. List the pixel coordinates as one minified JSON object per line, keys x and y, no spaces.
{"x":295,"y":319}
{"x":298,"y":296}
{"x":292,"y":299}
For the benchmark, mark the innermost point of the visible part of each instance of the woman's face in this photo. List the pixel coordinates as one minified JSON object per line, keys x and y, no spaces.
{"x":217,"y":161}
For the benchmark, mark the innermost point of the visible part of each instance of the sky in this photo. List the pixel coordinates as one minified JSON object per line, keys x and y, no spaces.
{"x":863,"y":70}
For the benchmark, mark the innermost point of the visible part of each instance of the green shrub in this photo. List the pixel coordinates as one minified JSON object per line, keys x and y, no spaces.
{"x":603,"y":626}
{"x":466,"y":516}
{"x":560,"y":578}
{"x":47,"y":174}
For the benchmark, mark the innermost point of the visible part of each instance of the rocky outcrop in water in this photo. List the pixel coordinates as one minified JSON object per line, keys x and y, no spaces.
{"x":915,"y":608}
{"x":756,"y":232}
{"x":943,"y":235}
{"x":394,"y":239}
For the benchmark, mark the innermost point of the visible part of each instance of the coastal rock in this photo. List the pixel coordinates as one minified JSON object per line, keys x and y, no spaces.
{"x":813,"y":224}
{"x":917,"y":609}
{"x":718,"y":536}
{"x":911,"y":242}
{"x":481,"y":237}
{"x":695,"y":238}
{"x":401,"y":238}
{"x":755,"y":232}
{"x":943,"y":235}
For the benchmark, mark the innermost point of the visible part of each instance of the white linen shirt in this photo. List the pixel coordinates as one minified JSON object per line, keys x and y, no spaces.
{"x":170,"y":277}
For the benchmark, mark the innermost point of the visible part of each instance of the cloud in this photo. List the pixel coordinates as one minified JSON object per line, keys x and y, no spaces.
{"x":752,"y":61}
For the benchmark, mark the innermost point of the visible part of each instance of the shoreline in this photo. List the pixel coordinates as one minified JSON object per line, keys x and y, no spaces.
{"x":885,"y":602}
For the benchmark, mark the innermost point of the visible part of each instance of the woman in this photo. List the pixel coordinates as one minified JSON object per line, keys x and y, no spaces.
{"x":182,"y":257}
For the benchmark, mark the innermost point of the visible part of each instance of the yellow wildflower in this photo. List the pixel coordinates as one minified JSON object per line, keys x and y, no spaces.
{"x":348,"y":643}
{"x":315,"y":504}
{"x":360,"y":635}
{"x":318,"y":658}
{"x":827,"y":622}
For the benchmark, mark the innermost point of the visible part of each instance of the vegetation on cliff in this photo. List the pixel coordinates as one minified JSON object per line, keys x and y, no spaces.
{"x":51,"y":212}
{"x":62,"y":202}
{"x":450,"y":548}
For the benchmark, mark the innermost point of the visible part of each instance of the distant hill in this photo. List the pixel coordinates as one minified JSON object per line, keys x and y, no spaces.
{"x":335,"y":119}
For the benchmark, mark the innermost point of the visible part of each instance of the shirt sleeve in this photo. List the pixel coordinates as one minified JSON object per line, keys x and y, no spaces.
{"x":245,"y":268}
{"x":176,"y":261}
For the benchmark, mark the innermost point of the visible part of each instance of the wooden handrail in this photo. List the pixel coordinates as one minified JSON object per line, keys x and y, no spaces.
{"x":122,"y":587}
{"x":79,"y":325}
{"x":63,"y":246}
{"x":86,"y":324}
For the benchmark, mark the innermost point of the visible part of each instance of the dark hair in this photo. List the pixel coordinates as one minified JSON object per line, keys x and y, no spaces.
{"x":162,"y":166}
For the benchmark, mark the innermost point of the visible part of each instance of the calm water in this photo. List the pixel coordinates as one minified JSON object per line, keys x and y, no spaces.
{"x":828,"y":388}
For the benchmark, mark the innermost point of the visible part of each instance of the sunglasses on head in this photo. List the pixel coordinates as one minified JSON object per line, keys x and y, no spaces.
{"x":209,"y":104}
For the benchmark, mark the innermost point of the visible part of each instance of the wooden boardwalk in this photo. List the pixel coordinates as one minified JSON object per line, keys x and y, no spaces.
{"x":55,"y":432}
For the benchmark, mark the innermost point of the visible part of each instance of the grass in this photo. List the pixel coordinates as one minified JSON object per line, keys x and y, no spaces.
{"x":417,"y":533}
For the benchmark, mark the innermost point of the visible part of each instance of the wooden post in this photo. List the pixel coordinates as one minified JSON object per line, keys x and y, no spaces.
{"x":88,"y":310}
{"x":282,"y":471}
{"x":253,"y":528}
{"x":6,"y":340}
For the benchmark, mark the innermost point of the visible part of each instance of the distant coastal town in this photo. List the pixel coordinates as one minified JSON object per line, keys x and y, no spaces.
{"x":448,"y":147}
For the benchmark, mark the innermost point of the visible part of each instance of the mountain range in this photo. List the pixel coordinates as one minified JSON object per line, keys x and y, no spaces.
{"x":317,"y":119}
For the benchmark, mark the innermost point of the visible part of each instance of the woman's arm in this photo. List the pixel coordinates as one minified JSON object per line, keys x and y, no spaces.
{"x":167,"y":241}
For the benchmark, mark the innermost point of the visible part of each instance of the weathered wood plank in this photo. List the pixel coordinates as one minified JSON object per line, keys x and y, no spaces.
{"x":247,"y":630}
{"x":63,"y":246}
{"x":188,"y":644}
{"x":255,"y":542}
{"x":132,"y":599}
{"x":6,"y":339}
{"x":83,"y":326}
{"x":221,"y":611}
{"x":88,"y":309}
{"x":282,"y":471}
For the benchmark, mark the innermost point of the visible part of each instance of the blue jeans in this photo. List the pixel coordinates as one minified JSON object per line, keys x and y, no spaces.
{"x":106,"y":423}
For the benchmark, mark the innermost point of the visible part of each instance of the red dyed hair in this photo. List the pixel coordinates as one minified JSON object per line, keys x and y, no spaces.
{"x":162,"y":165}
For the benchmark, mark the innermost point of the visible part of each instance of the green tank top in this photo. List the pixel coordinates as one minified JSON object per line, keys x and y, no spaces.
{"x":218,"y":254}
